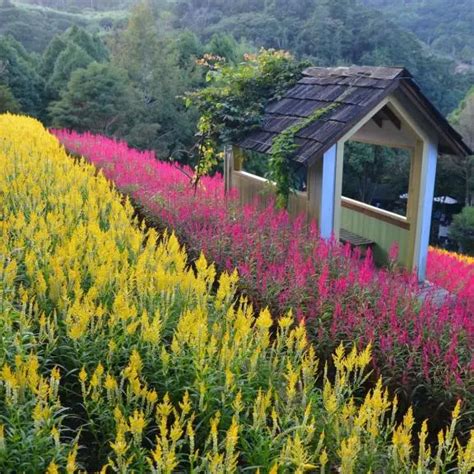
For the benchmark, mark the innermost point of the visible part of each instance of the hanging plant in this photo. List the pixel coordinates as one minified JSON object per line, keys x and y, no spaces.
{"x":283,"y":148}
{"x":234,"y":102}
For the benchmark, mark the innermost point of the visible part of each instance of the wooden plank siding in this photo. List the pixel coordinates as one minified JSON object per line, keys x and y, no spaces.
{"x":253,"y":188}
{"x":356,"y":219}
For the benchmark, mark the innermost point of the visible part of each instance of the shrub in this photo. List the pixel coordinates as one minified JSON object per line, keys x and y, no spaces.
{"x":462,"y":230}
{"x":116,"y":355}
{"x":424,"y":350}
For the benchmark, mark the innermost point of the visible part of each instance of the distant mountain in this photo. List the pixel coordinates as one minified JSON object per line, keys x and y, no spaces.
{"x":329,"y":32}
{"x":447,"y":26}
{"x":77,"y":6}
{"x":34,"y":26}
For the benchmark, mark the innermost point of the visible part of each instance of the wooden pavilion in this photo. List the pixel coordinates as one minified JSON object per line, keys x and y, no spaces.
{"x":375,"y":105}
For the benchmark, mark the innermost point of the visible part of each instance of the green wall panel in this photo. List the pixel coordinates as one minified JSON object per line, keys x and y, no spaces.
{"x":382,"y":233}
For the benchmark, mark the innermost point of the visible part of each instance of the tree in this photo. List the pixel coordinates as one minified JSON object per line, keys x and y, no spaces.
{"x":462,"y":230}
{"x":152,"y":62}
{"x":463,"y":120}
{"x":8,"y":103}
{"x":55,"y":47}
{"x":97,"y":99}
{"x":188,"y":48}
{"x":224,"y":46}
{"x":371,"y":169}
{"x":19,"y":74}
{"x":91,"y":44}
{"x":72,"y":58}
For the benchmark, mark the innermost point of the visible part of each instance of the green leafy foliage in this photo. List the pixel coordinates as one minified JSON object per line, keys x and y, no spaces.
{"x":74,"y":49}
{"x":19,"y":73}
{"x":97,"y":99}
{"x":462,"y":230}
{"x":160,"y":69}
{"x":329,"y":33}
{"x":456,"y":173}
{"x":371,"y":169}
{"x":280,"y":170}
{"x":34,"y":26}
{"x":8,"y":103}
{"x":73,"y":57}
{"x":233,"y":103}
{"x":444,"y":25}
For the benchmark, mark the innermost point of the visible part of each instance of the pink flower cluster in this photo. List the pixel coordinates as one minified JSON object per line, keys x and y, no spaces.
{"x":452,"y":271}
{"x":283,"y":264}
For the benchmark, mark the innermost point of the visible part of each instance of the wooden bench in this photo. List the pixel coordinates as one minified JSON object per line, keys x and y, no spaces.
{"x":347,"y":237}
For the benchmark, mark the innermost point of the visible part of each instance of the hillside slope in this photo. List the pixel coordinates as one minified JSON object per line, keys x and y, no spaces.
{"x":34,"y":26}
{"x":329,"y":32}
{"x":444,"y":25}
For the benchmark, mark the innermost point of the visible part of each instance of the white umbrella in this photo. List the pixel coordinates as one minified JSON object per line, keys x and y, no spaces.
{"x":441,"y":199}
{"x":445,"y":200}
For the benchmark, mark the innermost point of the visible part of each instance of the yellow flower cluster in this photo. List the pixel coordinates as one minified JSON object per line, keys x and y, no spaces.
{"x":117,"y":355}
{"x":458,"y":256}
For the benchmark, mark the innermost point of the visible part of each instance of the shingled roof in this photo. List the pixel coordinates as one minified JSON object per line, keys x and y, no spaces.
{"x":356,"y":90}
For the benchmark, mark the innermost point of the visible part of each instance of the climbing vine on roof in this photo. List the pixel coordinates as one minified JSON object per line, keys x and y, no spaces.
{"x":233,"y":104}
{"x":283,"y":147}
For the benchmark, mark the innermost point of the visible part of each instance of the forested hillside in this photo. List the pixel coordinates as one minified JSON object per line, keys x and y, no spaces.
{"x":34,"y":25}
{"x":446,"y":26}
{"x":147,"y":56}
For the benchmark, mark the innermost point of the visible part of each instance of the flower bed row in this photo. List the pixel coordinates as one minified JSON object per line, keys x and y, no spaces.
{"x":452,"y":271}
{"x":285,"y":265}
{"x":117,"y":357}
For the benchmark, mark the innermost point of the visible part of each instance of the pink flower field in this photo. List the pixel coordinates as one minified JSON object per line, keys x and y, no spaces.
{"x":452,"y":271}
{"x":285,"y":265}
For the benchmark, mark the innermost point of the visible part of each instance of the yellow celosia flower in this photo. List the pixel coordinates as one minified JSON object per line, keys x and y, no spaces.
{"x":2,"y":436}
{"x":185,"y":405}
{"x":71,"y":466}
{"x":8,"y":376}
{"x":55,"y":434}
{"x":264,"y":320}
{"x":323,"y":458}
{"x":110,"y":383}
{"x":137,"y":423}
{"x":83,"y":375}
{"x":52,"y":468}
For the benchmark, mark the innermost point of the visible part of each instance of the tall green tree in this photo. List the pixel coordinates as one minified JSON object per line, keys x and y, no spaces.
{"x":91,"y":44}
{"x":55,"y":47}
{"x":72,"y":58}
{"x":71,"y":50}
{"x":463,"y":167}
{"x":97,"y":99}
{"x":8,"y":103}
{"x":152,"y":62}
{"x":19,"y":73}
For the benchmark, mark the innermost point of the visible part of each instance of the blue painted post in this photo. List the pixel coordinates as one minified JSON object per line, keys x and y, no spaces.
{"x":427,"y":195}
{"x":328,"y":187}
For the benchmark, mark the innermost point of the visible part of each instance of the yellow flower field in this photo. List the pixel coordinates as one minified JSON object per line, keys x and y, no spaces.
{"x":117,"y":355}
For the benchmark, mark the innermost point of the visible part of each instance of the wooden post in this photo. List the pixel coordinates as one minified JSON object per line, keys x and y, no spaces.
{"x":427,"y":183}
{"x":414,"y":188}
{"x":237,"y":158}
{"x":315,"y":176}
{"x":228,"y":168}
{"x":328,"y":188}
{"x":338,"y":188}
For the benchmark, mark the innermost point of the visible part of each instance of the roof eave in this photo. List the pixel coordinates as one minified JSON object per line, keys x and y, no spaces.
{"x":452,"y":138}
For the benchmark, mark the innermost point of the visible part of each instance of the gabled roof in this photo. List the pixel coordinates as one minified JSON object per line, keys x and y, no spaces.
{"x":356,"y":90}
